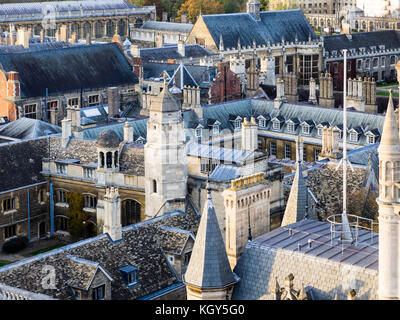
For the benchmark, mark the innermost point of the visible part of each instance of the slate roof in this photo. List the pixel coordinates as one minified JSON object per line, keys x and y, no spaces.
{"x":26,"y":128}
{"x":141,"y":248}
{"x":223,"y":172}
{"x":167,"y":26}
{"x":389,"y":38}
{"x":29,"y":8}
{"x":34,"y":47}
{"x":252,"y":265}
{"x":194,"y":75}
{"x":296,"y":207}
{"x":273,"y":25}
{"x":69,"y":69}
{"x":166,"y":53}
{"x":209,"y":266}
{"x":21,"y":163}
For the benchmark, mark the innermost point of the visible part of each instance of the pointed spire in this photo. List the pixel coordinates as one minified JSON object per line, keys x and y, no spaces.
{"x":390,"y":134}
{"x":209,"y":266}
{"x":296,"y":208}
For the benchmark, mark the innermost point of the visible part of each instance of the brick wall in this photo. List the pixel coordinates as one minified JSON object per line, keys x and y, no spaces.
{"x":225,"y":86}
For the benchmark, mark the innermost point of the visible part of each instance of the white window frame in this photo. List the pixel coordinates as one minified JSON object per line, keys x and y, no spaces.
{"x":272,"y":143}
{"x":370,"y":139}
{"x":198,"y":132}
{"x":276,"y":125}
{"x":61,"y":168}
{"x":288,"y":151}
{"x":305,"y":129}
{"x":262,"y":123}
{"x":353,"y":137}
{"x":291,"y":127}
{"x":319,"y":132}
{"x":215,"y":128}
{"x":237,"y":124}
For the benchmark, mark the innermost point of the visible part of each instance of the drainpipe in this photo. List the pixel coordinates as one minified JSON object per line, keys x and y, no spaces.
{"x":51,"y":210}
{"x":29,"y":219}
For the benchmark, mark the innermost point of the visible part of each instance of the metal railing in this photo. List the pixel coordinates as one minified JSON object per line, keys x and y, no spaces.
{"x":355,"y":222}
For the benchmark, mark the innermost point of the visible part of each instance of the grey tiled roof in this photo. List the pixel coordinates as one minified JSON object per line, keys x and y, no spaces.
{"x":209,"y":266}
{"x":272,"y":26}
{"x":389,"y":38}
{"x":167,"y":26}
{"x":69,"y":69}
{"x":141,"y":248}
{"x":165,"y":53}
{"x":26,"y":8}
{"x":258,"y":260}
{"x":26,"y":128}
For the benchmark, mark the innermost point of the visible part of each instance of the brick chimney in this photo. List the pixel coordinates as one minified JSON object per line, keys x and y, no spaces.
{"x":113,"y":102}
{"x":13,"y":94}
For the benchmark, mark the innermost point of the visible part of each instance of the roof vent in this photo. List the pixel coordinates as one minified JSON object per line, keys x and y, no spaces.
{"x":309,"y":242}
{"x":299,"y":247}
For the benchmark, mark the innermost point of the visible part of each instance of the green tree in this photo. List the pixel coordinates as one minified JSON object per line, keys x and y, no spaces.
{"x":192,"y":8}
{"x":76,"y":215}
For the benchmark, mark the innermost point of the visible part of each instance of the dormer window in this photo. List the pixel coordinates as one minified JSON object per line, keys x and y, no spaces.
{"x":305,"y":129}
{"x":290,"y":127}
{"x":215,"y":129}
{"x":198,"y":131}
{"x":262,"y":123}
{"x":129,"y":275}
{"x":370,"y":139}
{"x":237,"y":124}
{"x":276,"y":125}
{"x":353,"y":137}
{"x":319,"y":131}
{"x":140,"y":140}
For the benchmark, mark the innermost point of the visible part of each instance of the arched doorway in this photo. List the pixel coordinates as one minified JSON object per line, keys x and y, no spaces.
{"x":42,"y":229}
{"x":131,"y":212}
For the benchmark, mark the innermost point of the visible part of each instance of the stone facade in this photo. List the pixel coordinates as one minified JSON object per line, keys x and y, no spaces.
{"x":96,"y":21}
{"x":247,"y":213}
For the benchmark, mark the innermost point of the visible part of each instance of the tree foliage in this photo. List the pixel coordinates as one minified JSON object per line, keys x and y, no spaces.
{"x":77,"y":217}
{"x":192,"y":8}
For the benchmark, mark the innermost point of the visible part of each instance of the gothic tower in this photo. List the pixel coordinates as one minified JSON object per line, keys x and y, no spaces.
{"x":165,"y":156}
{"x":389,"y":208}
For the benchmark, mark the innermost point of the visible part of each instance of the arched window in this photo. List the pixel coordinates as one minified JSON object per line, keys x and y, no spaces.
{"x":101,"y":159}
{"x":154,"y":186}
{"x":121,"y":28}
{"x":37,"y":29}
{"x":116,"y":159}
{"x":75,"y":28}
{"x":99,"y":30}
{"x":110,"y":29}
{"x":86,"y":29}
{"x":109,"y":159}
{"x":131,"y":213}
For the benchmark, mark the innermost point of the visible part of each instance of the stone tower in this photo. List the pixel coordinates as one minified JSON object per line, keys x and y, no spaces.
{"x":108,"y":157}
{"x":209,"y":275}
{"x":112,"y":214}
{"x":247,"y":213}
{"x":389,"y":208}
{"x":165,"y":156}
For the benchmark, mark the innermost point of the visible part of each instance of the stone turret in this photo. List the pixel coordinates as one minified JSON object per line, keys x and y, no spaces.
{"x":290,"y":80}
{"x":209,"y":275}
{"x":330,"y":143}
{"x":389,"y":207}
{"x":280,"y":93}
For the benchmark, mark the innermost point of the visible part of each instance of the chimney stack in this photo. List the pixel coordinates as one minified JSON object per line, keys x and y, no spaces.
{"x":135,"y":51}
{"x":128,"y":132}
{"x":112,"y":214}
{"x":313,"y":92}
{"x":66,"y":125}
{"x":249,"y":134}
{"x":113,"y":102}
{"x":181,"y":48}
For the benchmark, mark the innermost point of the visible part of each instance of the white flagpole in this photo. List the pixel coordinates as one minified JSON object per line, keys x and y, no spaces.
{"x":346,"y":232}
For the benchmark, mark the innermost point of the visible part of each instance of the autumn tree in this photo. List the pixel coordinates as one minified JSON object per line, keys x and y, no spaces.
{"x":192,"y":8}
